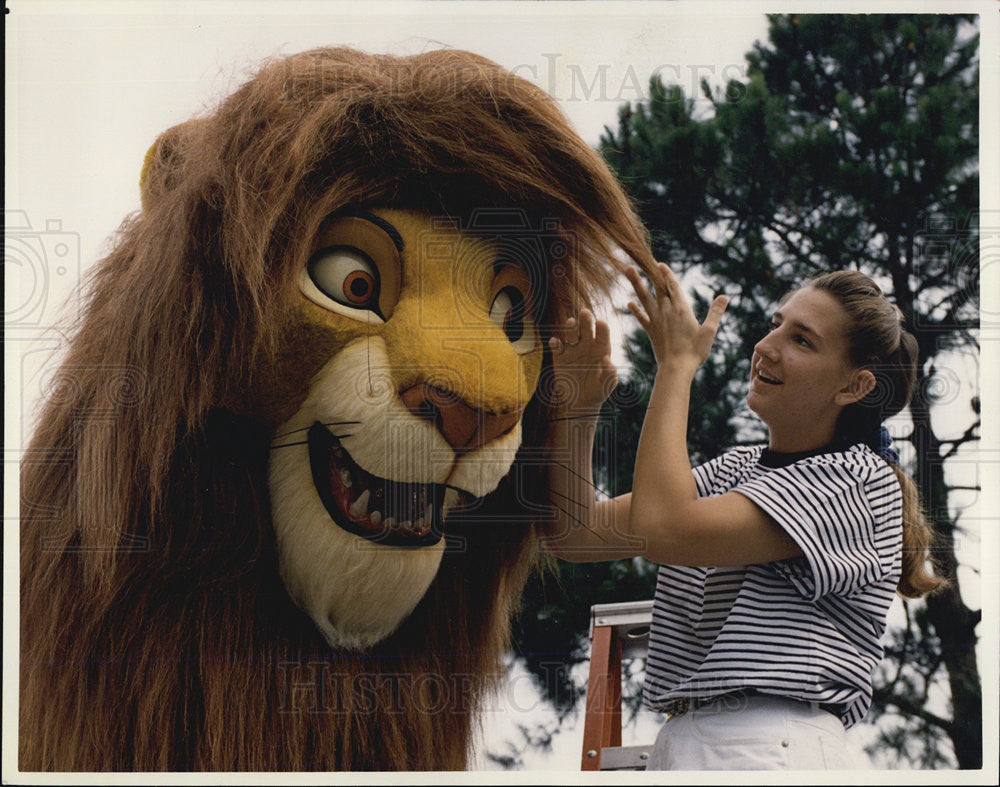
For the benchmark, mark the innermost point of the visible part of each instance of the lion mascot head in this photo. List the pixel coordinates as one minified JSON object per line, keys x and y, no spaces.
{"x":280,"y":503}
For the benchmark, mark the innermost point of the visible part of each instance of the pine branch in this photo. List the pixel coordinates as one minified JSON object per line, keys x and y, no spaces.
{"x":909,"y":708}
{"x":967,"y":436}
{"x":792,"y":247}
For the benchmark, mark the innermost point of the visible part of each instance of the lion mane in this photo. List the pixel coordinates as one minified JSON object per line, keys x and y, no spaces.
{"x":156,"y":632}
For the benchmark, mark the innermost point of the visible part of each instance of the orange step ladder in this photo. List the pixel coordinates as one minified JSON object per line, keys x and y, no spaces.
{"x":617,"y":632}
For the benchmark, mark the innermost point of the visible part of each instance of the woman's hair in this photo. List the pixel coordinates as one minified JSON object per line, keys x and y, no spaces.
{"x":878,"y":342}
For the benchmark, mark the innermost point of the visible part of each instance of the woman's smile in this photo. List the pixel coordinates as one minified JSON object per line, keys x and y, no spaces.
{"x":767,"y":378}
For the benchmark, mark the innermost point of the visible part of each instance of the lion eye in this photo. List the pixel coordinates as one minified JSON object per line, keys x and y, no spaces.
{"x":346,"y":275}
{"x":510,"y":313}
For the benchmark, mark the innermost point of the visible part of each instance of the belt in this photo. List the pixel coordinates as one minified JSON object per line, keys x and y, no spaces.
{"x":681,"y":706}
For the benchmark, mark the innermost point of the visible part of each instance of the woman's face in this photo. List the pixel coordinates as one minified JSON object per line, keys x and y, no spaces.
{"x":801,"y":375}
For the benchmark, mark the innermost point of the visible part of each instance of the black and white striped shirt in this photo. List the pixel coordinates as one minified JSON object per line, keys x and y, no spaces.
{"x":808,"y":628}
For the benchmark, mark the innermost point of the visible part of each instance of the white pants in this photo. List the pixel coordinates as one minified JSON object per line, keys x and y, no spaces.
{"x":753,"y":733}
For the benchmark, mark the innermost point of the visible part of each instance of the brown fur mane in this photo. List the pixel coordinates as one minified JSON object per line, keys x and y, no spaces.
{"x":155,"y":631}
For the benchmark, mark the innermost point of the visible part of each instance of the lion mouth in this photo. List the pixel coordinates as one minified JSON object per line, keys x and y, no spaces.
{"x":393,"y":513}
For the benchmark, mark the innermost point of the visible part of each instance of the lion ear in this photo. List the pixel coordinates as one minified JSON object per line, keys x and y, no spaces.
{"x":165,"y":159}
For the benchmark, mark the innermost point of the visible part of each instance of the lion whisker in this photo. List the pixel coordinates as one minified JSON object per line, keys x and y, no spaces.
{"x":580,"y":522}
{"x":566,"y":497}
{"x":304,"y":428}
{"x":569,"y":418}
{"x":591,"y":483}
{"x":305,"y":442}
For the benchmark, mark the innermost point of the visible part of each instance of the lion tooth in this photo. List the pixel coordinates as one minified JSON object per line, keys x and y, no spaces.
{"x":420,"y":526}
{"x":406,"y":526}
{"x":429,"y":513}
{"x":375,"y":517}
{"x":360,"y":506}
{"x":449,"y":502}
{"x":345,"y":477}
{"x":390,"y":522}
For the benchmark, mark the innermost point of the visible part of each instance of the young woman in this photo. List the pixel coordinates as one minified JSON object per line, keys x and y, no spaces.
{"x":778,"y":563}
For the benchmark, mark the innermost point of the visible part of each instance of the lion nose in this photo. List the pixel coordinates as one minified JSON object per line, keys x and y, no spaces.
{"x":463,"y":426}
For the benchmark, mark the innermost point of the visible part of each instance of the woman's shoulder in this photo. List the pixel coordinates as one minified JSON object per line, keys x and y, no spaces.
{"x":736,"y":459}
{"x":726,"y":469}
{"x":742,"y":454}
{"x":854,"y":457}
{"x":857,"y":464}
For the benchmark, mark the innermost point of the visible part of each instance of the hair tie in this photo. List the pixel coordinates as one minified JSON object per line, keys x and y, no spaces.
{"x":883,"y":446}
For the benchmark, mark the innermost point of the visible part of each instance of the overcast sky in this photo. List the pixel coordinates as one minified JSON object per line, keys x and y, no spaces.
{"x":89,"y":86}
{"x":89,"y":92}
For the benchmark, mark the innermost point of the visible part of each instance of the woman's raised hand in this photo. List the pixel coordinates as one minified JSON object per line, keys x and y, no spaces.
{"x":678,"y":339}
{"x":581,"y":360}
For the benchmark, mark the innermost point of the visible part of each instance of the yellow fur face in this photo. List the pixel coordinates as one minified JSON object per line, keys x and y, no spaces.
{"x":429,"y":354}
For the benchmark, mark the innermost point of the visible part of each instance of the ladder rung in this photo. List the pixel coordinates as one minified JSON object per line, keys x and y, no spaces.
{"x":625,"y":758}
{"x":629,"y":622}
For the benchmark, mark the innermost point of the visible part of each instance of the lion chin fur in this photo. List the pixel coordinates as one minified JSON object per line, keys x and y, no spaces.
{"x":159,"y":623}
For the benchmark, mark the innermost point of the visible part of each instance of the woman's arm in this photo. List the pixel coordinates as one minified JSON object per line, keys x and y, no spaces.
{"x":583,"y":529}
{"x":677,"y":526}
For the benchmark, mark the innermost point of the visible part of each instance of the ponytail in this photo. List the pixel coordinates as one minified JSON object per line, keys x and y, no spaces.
{"x":918,"y":577}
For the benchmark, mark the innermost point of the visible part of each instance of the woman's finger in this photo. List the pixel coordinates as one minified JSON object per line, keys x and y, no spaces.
{"x":602,"y":335}
{"x":586,"y":325}
{"x":641,"y":290}
{"x":639,"y":315}
{"x":668,"y":281}
{"x":715,"y":312}
{"x":570,"y":334}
